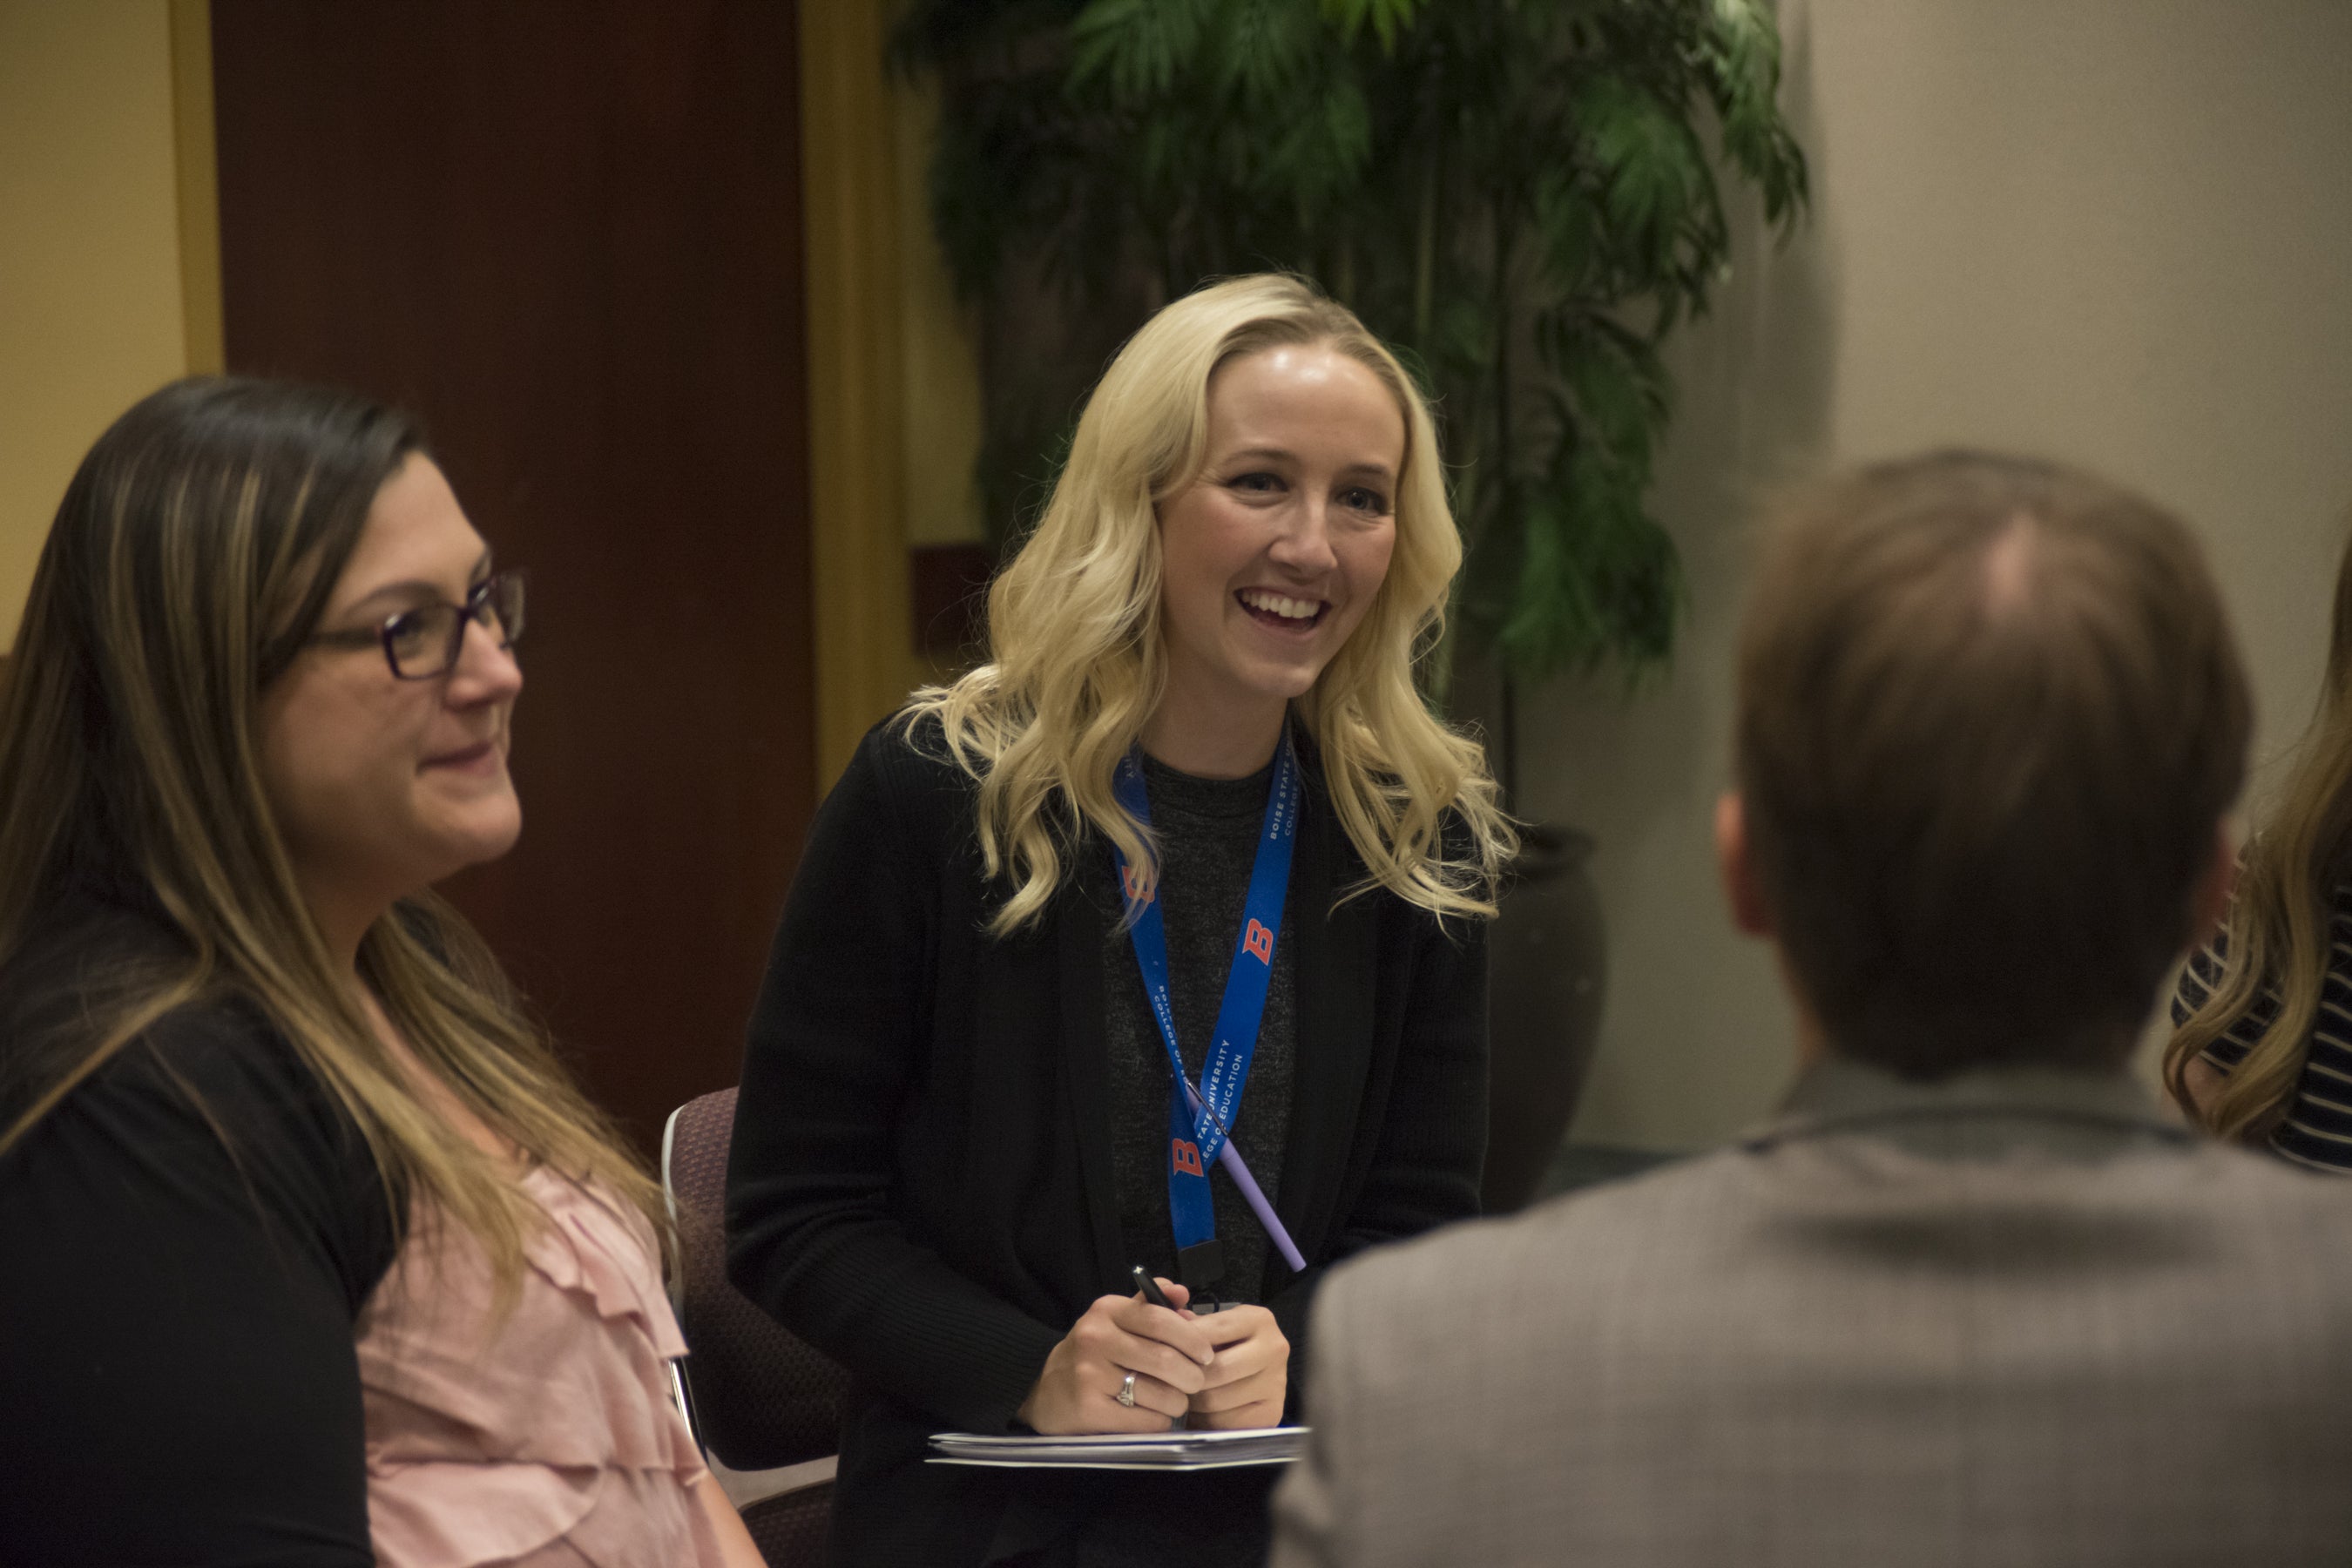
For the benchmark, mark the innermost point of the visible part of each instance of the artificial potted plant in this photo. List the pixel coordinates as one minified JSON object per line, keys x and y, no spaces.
{"x":1519,"y":195}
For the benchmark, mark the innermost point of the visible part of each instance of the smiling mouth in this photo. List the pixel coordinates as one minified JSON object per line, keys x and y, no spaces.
{"x":471,"y":756}
{"x":1269,"y":609}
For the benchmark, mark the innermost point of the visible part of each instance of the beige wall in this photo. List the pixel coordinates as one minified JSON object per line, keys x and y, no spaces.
{"x":2116,"y":231}
{"x":90,"y":311}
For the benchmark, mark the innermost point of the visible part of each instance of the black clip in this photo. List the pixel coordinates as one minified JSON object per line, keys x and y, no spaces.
{"x":1200,"y":1264}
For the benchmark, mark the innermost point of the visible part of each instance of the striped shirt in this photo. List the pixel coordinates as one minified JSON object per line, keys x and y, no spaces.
{"x":2317,"y":1131}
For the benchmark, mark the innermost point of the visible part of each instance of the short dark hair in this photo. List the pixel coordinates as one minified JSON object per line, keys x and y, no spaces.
{"x":1990,"y":715}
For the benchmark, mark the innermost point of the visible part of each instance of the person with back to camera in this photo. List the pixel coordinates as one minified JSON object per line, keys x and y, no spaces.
{"x":2261,"y":1049}
{"x":1972,"y":1297}
{"x":315,"y":1255}
{"x":959,"y":1125}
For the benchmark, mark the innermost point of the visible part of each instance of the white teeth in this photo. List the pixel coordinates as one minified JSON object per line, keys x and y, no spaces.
{"x":1276,"y":603}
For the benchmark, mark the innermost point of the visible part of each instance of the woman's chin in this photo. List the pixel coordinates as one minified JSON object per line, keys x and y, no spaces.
{"x":486,"y":837}
{"x":1288,"y":682}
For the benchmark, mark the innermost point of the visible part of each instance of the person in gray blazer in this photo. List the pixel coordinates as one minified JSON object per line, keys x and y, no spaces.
{"x":1971,"y":1298}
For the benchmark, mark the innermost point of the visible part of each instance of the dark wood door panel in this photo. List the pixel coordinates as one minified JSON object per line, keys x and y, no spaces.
{"x":568,"y":234}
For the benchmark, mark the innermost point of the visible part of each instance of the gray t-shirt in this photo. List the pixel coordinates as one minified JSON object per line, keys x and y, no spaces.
{"x":1209,"y":834}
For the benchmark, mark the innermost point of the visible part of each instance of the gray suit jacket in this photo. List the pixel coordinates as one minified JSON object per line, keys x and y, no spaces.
{"x":2009,"y":1318}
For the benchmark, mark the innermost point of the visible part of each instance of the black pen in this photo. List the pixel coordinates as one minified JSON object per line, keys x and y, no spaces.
{"x":1150,"y":1288}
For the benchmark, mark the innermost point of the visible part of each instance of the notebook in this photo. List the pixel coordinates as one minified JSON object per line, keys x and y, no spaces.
{"x":1125,"y":1450}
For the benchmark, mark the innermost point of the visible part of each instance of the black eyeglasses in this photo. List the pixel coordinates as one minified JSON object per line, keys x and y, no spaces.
{"x":422,"y":643}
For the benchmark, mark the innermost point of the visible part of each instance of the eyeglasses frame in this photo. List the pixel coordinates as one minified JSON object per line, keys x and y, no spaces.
{"x":469,"y":614}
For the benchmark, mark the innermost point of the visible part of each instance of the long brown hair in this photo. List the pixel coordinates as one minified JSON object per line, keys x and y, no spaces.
{"x":2276,"y":934}
{"x":189,"y":563}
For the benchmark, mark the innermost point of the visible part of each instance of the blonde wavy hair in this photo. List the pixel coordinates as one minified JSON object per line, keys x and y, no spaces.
{"x":2276,"y":934}
{"x":188,"y":564}
{"x":1077,"y":664}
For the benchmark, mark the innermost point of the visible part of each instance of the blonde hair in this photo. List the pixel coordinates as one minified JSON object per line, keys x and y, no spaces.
{"x":1077,"y":664}
{"x":2276,"y":935}
{"x":189,"y":563}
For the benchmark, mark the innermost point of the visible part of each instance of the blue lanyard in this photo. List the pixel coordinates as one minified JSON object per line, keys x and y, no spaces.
{"x":1195,"y":1139}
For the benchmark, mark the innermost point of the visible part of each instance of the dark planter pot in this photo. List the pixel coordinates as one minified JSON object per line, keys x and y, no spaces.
{"x":1548,"y":958}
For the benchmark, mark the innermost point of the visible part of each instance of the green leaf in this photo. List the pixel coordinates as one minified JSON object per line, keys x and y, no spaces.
{"x":1619,"y":395}
{"x":1747,"y":50}
{"x":1743,"y":51}
{"x":1137,"y":45}
{"x":1263,"y":47}
{"x":1652,"y":171}
{"x":1323,"y":150}
{"x":1566,"y":220}
{"x":1387,"y":18}
{"x":1551,"y":618}
{"x":1347,"y":125}
{"x":1465,"y":335}
{"x":1600,"y":581}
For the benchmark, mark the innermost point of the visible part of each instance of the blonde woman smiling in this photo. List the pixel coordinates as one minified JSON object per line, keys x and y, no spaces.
{"x":314,"y":1255}
{"x":1192,"y":811}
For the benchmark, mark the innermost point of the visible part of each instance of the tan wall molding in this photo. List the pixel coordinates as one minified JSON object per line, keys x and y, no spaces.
{"x":199,"y":190}
{"x":857,"y":534}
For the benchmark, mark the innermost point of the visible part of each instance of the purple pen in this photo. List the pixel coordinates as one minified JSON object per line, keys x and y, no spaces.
{"x":1238,"y":1169}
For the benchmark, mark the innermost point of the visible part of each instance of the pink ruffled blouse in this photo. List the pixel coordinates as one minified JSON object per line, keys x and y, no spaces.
{"x":544,"y":1437}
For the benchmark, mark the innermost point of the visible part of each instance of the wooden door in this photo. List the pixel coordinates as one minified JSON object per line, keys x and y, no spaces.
{"x":568,"y":234}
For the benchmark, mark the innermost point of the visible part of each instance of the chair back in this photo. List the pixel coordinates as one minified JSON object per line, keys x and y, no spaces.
{"x":762,"y":1397}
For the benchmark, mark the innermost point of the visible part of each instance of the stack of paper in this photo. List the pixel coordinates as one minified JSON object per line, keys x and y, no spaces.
{"x":1126,"y":1450}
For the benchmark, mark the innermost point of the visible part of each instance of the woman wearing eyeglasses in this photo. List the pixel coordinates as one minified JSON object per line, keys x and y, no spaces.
{"x":309,"y":1252}
{"x":1158,"y":941}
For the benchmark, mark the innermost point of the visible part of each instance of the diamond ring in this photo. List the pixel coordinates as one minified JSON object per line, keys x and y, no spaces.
{"x":1126,"y":1394}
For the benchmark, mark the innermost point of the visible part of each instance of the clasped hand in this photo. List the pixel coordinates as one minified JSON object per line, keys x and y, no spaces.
{"x":1224,"y":1370}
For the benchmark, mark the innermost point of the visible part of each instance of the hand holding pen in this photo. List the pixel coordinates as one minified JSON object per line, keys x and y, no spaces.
{"x":1250,"y":1378}
{"x":1127,"y":1365}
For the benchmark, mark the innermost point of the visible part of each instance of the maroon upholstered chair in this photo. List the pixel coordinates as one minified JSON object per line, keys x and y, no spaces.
{"x":759,"y":1399}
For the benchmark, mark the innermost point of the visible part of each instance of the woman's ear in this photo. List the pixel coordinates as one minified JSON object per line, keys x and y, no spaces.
{"x":2218,"y":882}
{"x":1740,"y":889}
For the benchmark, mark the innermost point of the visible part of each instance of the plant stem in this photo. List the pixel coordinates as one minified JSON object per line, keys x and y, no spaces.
{"x":1424,"y":257}
{"x":1502,"y":308}
{"x":1509,"y":727}
{"x":1507,"y":496}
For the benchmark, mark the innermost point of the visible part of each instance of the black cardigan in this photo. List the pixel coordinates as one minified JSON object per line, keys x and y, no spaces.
{"x":920,"y":1183}
{"x":185,"y":1244}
